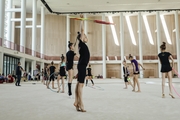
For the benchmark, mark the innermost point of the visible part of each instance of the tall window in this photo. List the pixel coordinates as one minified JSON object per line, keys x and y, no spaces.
{"x":10,"y":64}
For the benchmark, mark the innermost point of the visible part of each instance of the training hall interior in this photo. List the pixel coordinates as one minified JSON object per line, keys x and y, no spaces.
{"x":37,"y":32}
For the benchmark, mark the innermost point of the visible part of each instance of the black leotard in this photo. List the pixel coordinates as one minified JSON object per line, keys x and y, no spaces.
{"x":165,"y":64}
{"x":52,"y":70}
{"x":69,"y":60}
{"x":89,"y":71}
{"x":83,"y":61}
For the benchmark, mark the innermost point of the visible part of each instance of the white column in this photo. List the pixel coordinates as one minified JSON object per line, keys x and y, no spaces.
{"x":9,"y":25}
{"x":22,"y":60}
{"x":104,"y":47}
{"x":158,"y":41}
{"x":34,"y":22}
{"x":1,"y":62}
{"x":27,"y":67}
{"x":2,"y":13}
{"x":33,"y":67}
{"x":67,"y":32}
{"x":177,"y":40}
{"x":42,"y":30}
{"x":13,"y":28}
{"x":122,"y":41}
{"x":140,"y":41}
{"x":23,"y":26}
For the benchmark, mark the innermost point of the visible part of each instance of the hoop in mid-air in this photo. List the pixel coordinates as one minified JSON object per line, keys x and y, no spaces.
{"x":96,"y":21}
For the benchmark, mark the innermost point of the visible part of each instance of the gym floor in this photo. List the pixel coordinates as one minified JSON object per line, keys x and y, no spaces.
{"x":107,"y":100}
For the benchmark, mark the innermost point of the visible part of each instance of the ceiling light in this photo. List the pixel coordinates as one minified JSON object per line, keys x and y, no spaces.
{"x":130,"y":30}
{"x":165,"y":29}
{"x":113,"y":31}
{"x":148,"y":30}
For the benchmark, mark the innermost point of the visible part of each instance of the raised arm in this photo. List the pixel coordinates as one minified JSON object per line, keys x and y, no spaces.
{"x":82,"y":28}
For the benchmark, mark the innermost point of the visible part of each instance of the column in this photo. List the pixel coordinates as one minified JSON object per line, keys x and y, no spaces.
{"x":67,"y":32}
{"x":13,"y":28}
{"x":42,"y":30}
{"x":23,"y":26}
{"x":9,"y":25}
{"x":34,"y":22}
{"x":33,"y":67}
{"x":2,"y":13}
{"x":177,"y":40}
{"x":22,"y":60}
{"x":27,"y":67}
{"x":122,"y":41}
{"x":140,"y":41}
{"x":158,"y":41}
{"x":1,"y":62}
{"x":104,"y":47}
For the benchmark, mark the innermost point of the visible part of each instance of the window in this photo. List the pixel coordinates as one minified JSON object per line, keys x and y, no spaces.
{"x":10,"y":64}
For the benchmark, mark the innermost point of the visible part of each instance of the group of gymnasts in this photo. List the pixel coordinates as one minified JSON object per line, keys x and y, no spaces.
{"x":84,"y":57}
{"x":67,"y":65}
{"x":166,"y":70}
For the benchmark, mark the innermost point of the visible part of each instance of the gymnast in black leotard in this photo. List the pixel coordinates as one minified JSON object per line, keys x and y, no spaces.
{"x":126,"y":75}
{"x":62,"y":74}
{"x":51,"y":75}
{"x":82,"y":64}
{"x":89,"y":75}
{"x":166,"y":68}
{"x":69,"y":66}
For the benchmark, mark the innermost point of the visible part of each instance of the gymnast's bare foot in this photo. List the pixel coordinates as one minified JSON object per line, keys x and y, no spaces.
{"x":77,"y":107}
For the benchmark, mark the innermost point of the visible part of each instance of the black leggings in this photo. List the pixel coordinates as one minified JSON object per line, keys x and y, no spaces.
{"x":18,"y":80}
{"x":81,"y":73}
{"x":125,"y":79}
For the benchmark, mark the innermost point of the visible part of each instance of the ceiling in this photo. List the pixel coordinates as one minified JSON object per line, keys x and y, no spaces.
{"x":103,"y":5}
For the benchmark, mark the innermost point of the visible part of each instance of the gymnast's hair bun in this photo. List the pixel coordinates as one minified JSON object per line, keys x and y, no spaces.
{"x":163,"y":46}
{"x":78,"y":33}
{"x":164,"y":43}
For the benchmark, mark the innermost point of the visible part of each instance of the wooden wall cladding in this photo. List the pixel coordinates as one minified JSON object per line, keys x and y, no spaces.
{"x":55,"y":40}
{"x":113,"y":71}
{"x":111,"y":48}
{"x":55,"y":35}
